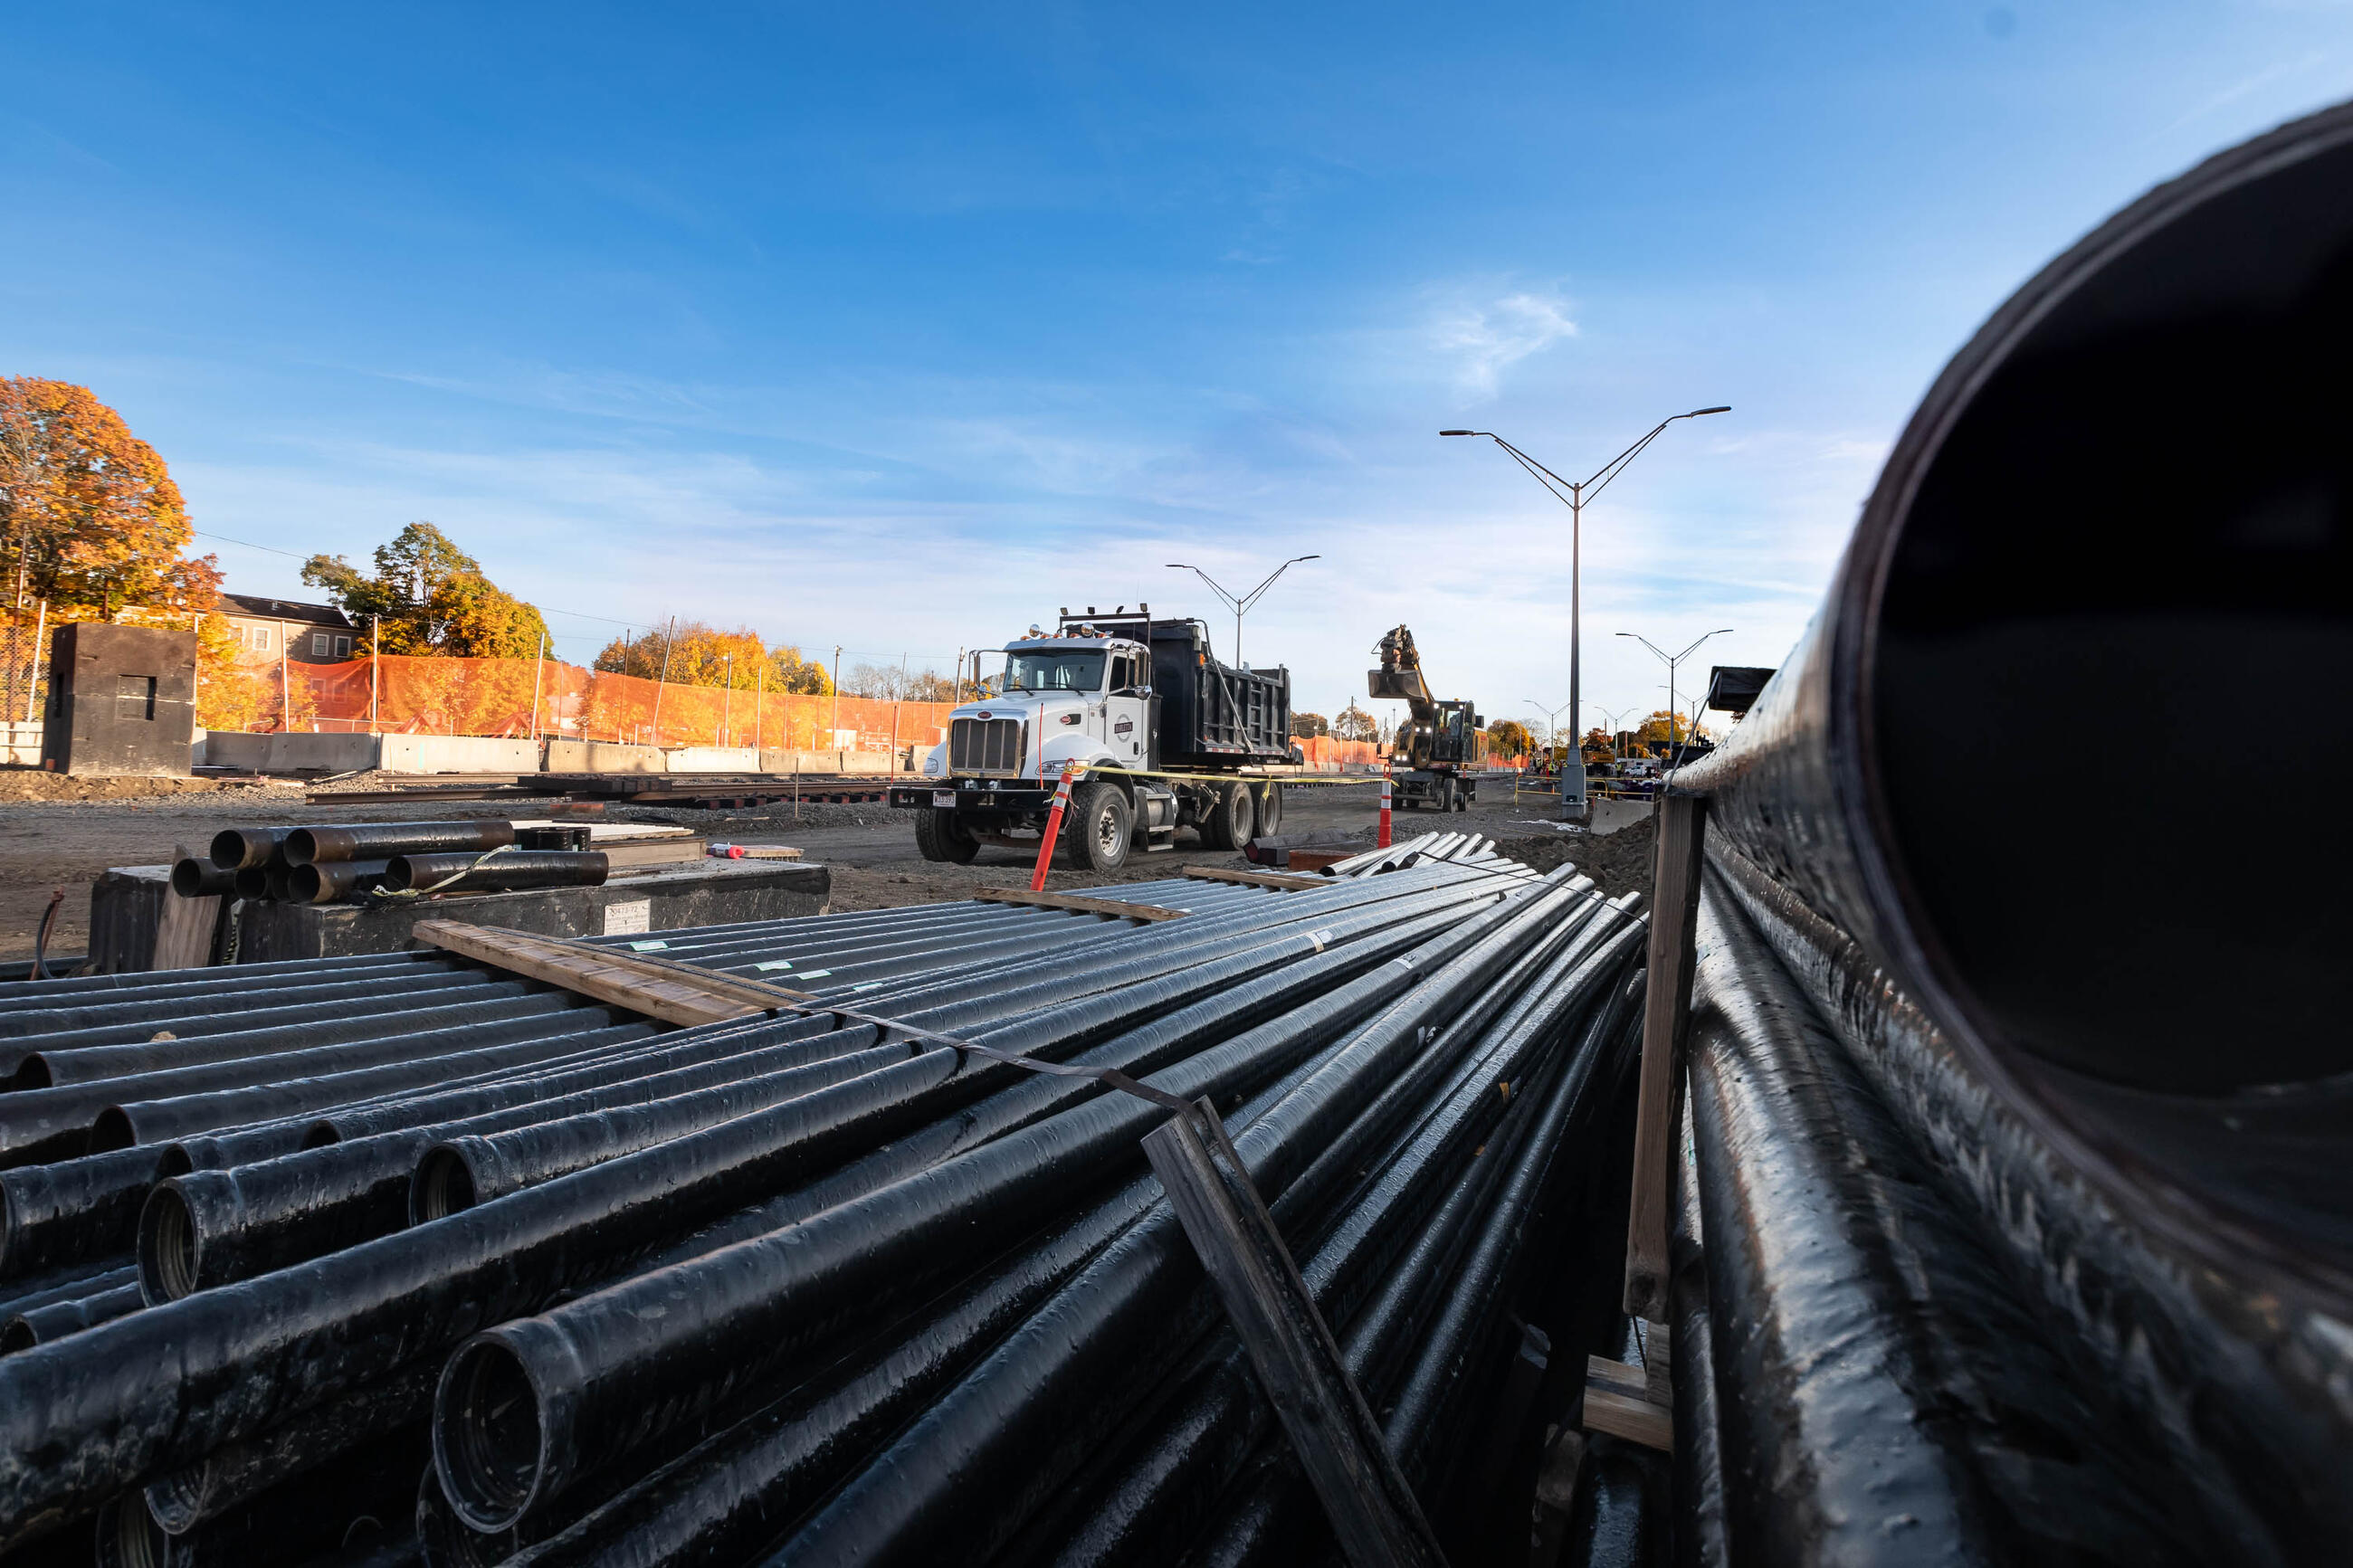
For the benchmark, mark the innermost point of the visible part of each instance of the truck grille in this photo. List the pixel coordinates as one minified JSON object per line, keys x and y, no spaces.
{"x":985,"y":746}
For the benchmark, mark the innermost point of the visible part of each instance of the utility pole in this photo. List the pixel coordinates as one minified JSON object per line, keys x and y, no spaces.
{"x":727,"y":700}
{"x":375,"y":670}
{"x":662,"y":681}
{"x":833,"y":742}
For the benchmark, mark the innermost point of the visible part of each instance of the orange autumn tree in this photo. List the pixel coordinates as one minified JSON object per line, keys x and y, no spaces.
{"x":91,"y":522}
{"x":90,"y":515}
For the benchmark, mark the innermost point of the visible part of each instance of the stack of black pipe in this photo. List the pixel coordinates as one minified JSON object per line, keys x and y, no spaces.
{"x":326,"y":865}
{"x":715,"y":1294}
{"x":2018,"y":1225}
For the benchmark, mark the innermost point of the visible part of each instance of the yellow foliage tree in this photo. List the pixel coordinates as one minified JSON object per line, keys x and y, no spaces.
{"x":696,"y":654}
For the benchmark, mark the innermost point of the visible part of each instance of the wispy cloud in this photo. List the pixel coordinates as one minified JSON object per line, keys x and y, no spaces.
{"x":1483,"y":339}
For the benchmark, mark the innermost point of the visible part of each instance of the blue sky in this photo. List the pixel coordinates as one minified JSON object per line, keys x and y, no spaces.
{"x":897,"y":327}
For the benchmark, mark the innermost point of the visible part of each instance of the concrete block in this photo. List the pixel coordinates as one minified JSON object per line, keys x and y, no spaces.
{"x":712,"y":760}
{"x":603,"y":757}
{"x":457,"y":754}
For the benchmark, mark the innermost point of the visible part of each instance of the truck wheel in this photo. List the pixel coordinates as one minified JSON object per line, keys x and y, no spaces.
{"x":1233,"y":821}
{"x":1269,"y":811}
{"x":940,"y":836}
{"x":1098,"y":826}
{"x":1446,"y":793}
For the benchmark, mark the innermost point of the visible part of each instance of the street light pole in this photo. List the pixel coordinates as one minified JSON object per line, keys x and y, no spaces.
{"x":1573,"y":493}
{"x":1672,"y":660}
{"x":1241,"y":606}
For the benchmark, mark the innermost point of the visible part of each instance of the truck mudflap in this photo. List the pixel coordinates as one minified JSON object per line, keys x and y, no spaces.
{"x":1024,"y":797}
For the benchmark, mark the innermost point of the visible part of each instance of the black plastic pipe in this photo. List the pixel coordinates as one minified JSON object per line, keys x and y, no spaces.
{"x":391,"y":840}
{"x":127,"y":1042}
{"x":56,"y":1320}
{"x":84,"y":1279}
{"x":507,"y":871}
{"x":246,"y":848}
{"x":209,"y":1227}
{"x":2134,"y":420}
{"x":325,"y":882}
{"x":72,"y":1210}
{"x":183,"y":1500}
{"x":551,"y":1034}
{"x":761,"y":1302}
{"x":188,"y":1011}
{"x":194,"y":879}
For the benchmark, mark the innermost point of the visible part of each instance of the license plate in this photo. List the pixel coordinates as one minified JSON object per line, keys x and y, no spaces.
{"x":944,"y":797}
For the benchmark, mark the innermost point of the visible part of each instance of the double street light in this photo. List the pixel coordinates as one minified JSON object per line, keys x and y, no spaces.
{"x":1241,"y":606}
{"x":1574,"y":494}
{"x":1671,"y":660}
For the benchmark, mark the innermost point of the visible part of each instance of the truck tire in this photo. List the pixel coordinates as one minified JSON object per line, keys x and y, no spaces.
{"x":1098,"y":829}
{"x":1233,"y":822}
{"x":940,"y":836}
{"x":1269,"y":811}
{"x":1446,"y":793}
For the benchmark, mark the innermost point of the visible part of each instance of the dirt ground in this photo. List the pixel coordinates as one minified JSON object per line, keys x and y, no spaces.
{"x":57,"y":833}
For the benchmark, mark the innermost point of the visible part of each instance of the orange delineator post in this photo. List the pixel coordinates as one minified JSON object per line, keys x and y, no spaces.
{"x":1384,"y":842}
{"x":1053,"y":830}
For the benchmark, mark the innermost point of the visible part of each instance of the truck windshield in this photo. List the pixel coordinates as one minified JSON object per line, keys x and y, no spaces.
{"x":1054,"y":671}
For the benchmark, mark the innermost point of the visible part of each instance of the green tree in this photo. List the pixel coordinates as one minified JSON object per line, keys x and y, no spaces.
{"x":1509,"y":738}
{"x":431,"y":597}
{"x":1307,"y":726}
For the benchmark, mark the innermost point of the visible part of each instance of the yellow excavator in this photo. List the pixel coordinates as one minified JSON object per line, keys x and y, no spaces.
{"x":1431,"y":757}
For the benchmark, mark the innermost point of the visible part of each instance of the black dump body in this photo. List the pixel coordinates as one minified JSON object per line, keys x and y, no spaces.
{"x":1209,"y":715}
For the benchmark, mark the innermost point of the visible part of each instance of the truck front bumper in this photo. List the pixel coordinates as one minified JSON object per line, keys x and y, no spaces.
{"x":962,"y":795}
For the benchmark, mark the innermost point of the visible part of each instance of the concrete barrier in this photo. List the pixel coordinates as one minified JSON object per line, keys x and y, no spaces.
{"x":603,"y":757}
{"x":297,"y":753}
{"x":712,"y":760}
{"x":452,"y":753}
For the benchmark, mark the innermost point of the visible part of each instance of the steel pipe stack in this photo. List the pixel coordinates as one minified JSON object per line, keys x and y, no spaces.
{"x":2020,"y":1226}
{"x":266,"y":1241}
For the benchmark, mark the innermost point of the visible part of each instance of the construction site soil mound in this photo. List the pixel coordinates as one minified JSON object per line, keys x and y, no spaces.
{"x":38,"y":783}
{"x":1618,"y":862}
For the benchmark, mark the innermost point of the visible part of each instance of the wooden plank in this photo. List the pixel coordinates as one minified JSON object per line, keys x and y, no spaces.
{"x":1276,"y":880}
{"x":1144,"y":914}
{"x":183,"y":932}
{"x":670,"y":993}
{"x":1636,"y":1420}
{"x":1666,"y":1030}
{"x":1339,"y":1444}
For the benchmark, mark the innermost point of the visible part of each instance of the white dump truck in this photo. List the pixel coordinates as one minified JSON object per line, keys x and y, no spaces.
{"x":1171,"y":739}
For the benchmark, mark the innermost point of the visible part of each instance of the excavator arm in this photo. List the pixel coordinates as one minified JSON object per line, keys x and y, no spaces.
{"x":1400,"y":677}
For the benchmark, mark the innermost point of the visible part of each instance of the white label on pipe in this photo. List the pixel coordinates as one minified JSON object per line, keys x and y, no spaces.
{"x":775,"y":963}
{"x":655,"y":946}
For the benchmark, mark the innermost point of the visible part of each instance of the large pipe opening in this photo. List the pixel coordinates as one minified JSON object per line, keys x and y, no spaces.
{"x":2108,"y":634}
{"x":486,"y":1436}
{"x":167,"y":1249}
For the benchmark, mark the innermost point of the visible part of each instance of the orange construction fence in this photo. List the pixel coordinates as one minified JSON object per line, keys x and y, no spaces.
{"x":407,"y":695}
{"x":400,"y":694}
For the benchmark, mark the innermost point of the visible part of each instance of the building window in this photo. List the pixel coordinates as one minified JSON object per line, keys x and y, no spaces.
{"x":261,"y":640}
{"x":319,"y":645}
{"x":243,"y":637}
{"x":342,"y":647}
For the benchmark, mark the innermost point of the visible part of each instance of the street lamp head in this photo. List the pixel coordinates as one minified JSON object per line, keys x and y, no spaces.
{"x":1178,"y":566}
{"x":1720,"y":408}
{"x":1297,"y":558}
{"x":1463,"y":432}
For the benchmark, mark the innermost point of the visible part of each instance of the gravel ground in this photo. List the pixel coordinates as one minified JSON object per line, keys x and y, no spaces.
{"x":59,"y":833}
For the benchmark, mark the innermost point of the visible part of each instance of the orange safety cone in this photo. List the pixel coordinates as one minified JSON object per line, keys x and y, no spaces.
{"x":1054,"y":830}
{"x":1385,"y":812}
